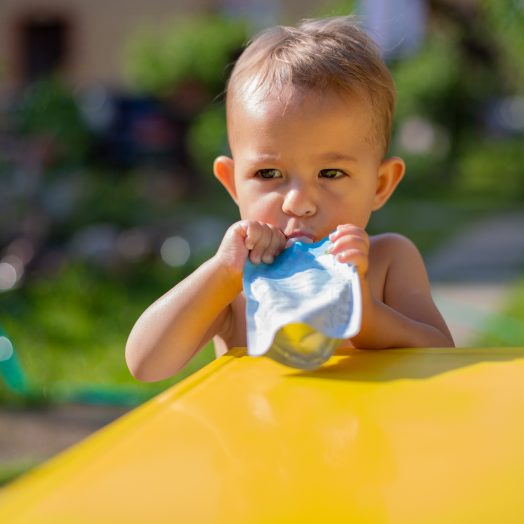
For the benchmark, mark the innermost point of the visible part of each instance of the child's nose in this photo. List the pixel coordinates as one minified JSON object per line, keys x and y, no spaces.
{"x":299,"y":202}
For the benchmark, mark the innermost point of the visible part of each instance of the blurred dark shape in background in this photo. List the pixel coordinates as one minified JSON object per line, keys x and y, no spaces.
{"x":132,"y":131}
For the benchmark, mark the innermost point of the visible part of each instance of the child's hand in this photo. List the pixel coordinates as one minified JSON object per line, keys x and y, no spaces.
{"x":350,"y":244}
{"x":261,"y":242}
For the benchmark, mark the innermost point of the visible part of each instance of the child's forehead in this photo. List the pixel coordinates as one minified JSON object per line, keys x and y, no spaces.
{"x":307,"y":107}
{"x":305,"y":104}
{"x":308,"y":126}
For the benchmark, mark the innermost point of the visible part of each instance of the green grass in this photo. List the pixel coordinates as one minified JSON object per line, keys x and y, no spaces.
{"x":9,"y":472}
{"x":69,"y":333}
{"x":507,"y":327}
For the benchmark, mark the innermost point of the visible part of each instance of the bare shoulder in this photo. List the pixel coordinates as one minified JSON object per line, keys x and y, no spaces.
{"x":389,"y":246}
{"x":401,"y":262}
{"x":389,"y":251}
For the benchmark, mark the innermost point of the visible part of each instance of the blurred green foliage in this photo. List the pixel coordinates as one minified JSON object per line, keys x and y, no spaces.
{"x":112,"y":197}
{"x":194,"y":51}
{"x":507,"y":327}
{"x":339,"y":8}
{"x":11,"y":471}
{"x":192,"y":47}
{"x":48,"y":111}
{"x":493,"y":169}
{"x":70,"y":332}
{"x":506,"y":24}
{"x":427,"y":80}
{"x":473,"y":56}
{"x":208,"y":137}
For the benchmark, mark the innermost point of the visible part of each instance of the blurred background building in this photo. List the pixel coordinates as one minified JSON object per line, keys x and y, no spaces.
{"x":85,"y":41}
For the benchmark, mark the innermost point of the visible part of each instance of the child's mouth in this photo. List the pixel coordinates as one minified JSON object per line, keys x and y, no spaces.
{"x":299,"y":236}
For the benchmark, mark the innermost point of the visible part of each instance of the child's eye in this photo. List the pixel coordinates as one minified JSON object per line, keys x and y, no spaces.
{"x":331,"y":173}
{"x":269,"y":173}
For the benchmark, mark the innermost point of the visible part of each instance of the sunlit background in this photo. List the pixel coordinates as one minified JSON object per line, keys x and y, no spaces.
{"x":111,"y":113}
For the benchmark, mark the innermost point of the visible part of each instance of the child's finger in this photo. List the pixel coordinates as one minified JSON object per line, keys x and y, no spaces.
{"x":349,"y":242}
{"x":263,"y":240}
{"x":355,"y":257}
{"x":253,"y":232}
{"x":276,"y":245}
{"x":346,"y":229}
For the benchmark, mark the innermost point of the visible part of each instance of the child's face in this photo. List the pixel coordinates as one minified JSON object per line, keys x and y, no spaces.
{"x":308,"y":167}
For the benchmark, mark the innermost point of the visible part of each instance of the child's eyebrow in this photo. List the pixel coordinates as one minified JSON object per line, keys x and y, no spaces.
{"x":335,"y":157}
{"x":325,"y":157}
{"x":264,"y":158}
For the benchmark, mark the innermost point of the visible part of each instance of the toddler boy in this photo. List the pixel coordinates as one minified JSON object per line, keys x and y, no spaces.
{"x":309,"y":112}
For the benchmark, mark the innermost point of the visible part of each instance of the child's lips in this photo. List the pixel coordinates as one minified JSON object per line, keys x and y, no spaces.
{"x":299,"y":236}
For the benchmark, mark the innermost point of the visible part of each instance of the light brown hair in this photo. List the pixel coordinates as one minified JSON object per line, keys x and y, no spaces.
{"x":331,"y":54}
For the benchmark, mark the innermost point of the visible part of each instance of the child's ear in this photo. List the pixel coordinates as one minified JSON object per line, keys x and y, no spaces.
{"x":390,"y":173}
{"x":224,"y":170}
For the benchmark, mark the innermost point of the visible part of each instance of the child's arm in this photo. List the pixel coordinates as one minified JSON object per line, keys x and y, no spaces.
{"x":407,"y":316}
{"x":179,"y":323}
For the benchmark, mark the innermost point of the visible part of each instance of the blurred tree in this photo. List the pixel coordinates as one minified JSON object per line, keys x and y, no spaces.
{"x":492,"y":169}
{"x":340,"y":8}
{"x":186,"y":64}
{"x":208,"y":136}
{"x":48,"y":114}
{"x":473,"y":56}
{"x":45,"y":148}
{"x":506,"y":21}
{"x":197,"y":48}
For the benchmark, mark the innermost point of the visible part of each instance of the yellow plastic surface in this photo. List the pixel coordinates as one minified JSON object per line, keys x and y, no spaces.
{"x":399,"y":436}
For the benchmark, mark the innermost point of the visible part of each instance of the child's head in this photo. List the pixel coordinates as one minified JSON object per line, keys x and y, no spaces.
{"x":327,"y":55}
{"x":309,"y":115}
